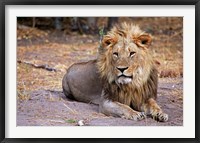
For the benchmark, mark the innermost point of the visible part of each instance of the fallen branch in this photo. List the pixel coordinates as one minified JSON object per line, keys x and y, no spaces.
{"x":45,"y":66}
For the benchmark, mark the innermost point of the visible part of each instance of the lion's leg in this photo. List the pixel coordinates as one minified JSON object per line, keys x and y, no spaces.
{"x":151,"y":108}
{"x":121,"y":110}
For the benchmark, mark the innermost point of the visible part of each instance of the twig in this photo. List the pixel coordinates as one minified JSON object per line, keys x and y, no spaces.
{"x":73,"y":111}
{"x":45,"y":66}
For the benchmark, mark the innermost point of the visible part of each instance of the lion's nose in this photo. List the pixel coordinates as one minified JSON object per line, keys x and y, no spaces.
{"x":122,"y":69}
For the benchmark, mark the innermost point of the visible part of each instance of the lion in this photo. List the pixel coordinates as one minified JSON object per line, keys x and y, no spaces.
{"x":122,"y":80}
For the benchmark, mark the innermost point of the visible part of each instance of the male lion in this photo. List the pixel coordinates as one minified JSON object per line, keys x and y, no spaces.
{"x":122,"y":80}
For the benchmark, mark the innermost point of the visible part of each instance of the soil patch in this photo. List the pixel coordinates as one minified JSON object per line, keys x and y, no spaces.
{"x":52,"y":108}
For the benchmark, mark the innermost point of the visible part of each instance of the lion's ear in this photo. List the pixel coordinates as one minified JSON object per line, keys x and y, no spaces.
{"x":144,"y":40}
{"x":108,"y":40}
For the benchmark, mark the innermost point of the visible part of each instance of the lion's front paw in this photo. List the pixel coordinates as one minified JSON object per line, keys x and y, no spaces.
{"x":134,"y":116}
{"x":160,"y":116}
{"x":140,"y":116}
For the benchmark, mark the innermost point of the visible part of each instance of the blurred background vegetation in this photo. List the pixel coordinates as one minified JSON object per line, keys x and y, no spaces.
{"x":35,"y":29}
{"x":87,"y":25}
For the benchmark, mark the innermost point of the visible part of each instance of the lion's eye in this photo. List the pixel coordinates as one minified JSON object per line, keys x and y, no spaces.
{"x":144,"y":42}
{"x":132,"y":54}
{"x":115,"y":54}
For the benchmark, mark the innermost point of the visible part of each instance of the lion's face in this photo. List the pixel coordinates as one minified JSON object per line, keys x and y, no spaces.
{"x":124,"y":53}
{"x":125,"y":58}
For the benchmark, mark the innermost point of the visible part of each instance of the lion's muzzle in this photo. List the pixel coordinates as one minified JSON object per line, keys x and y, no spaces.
{"x":123,"y":79}
{"x":122,"y":69}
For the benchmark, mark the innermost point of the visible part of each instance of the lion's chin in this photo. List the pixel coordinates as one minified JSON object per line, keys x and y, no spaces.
{"x":124,"y":80}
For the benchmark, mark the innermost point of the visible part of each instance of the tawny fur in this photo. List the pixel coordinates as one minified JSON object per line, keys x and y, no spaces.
{"x":122,"y":80}
{"x":144,"y":86}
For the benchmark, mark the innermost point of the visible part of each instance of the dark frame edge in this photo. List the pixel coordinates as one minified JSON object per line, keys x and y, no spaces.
{"x":2,"y":71}
{"x":197,"y":53}
{"x":102,"y":2}
{"x":2,"y":88}
{"x":98,"y":140}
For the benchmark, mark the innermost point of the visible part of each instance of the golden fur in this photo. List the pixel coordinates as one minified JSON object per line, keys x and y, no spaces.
{"x":144,"y":85}
{"x":122,"y":80}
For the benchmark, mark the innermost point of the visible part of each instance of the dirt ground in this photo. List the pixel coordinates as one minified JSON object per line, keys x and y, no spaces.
{"x":40,"y":100}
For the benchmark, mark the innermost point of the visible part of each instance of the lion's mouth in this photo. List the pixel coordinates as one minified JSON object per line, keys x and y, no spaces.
{"x":125,"y":76}
{"x":123,"y":79}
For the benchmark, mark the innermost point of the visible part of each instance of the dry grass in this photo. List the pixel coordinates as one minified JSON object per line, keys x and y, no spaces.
{"x":166,"y":49}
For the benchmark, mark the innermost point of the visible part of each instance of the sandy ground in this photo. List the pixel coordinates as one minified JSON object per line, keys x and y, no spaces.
{"x":52,"y":108}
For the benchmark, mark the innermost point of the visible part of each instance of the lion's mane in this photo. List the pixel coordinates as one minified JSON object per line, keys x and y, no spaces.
{"x":143,"y":86}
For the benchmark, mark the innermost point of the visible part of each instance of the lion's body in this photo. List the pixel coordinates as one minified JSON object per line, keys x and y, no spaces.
{"x":86,"y":89}
{"x":123,"y":79}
